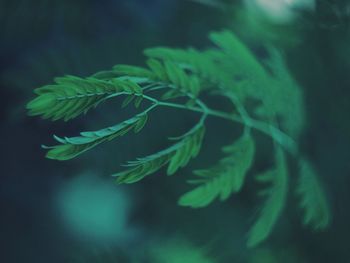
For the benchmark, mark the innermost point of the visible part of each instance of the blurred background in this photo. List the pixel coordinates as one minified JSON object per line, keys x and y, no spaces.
{"x":72,"y":212}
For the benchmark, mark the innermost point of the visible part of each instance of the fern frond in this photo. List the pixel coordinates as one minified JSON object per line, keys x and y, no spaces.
{"x":180,"y":78}
{"x":135,"y":74}
{"x":286,"y":97}
{"x":128,"y":70}
{"x":238,"y":53}
{"x":106,"y":75}
{"x":172,"y":74}
{"x":162,"y":72}
{"x":203,"y":64}
{"x":313,"y":199}
{"x":276,"y":200}
{"x":179,"y":250}
{"x":233,"y":67}
{"x":183,"y":57}
{"x":222,"y":65}
{"x":177,"y":156}
{"x":225,"y":178}
{"x":71,"y":96}
{"x":74,"y":146}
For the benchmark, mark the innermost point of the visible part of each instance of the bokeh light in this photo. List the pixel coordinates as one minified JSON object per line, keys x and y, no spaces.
{"x":93,"y":209}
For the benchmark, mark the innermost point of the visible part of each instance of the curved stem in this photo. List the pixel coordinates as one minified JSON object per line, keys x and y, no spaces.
{"x":280,"y":137}
{"x":277,"y":135}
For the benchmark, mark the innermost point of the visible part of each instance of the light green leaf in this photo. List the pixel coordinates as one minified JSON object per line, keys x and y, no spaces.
{"x":74,"y":146}
{"x":276,"y":196}
{"x":202,"y":64}
{"x":127,"y":70}
{"x":106,"y":75}
{"x":178,"y":155}
{"x":224,"y":179}
{"x":158,"y":69}
{"x":313,"y":199}
{"x":233,"y":67}
{"x":71,"y":96}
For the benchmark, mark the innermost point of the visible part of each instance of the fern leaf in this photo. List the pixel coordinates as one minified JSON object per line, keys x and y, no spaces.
{"x":176,"y":55}
{"x":277,"y":90}
{"x":225,"y":178}
{"x":285,"y":97}
{"x":106,"y":75}
{"x":234,"y":67}
{"x":171,"y":73}
{"x":313,"y":198}
{"x":203,"y":64}
{"x":177,"y":156}
{"x":178,"y":77}
{"x":234,"y":47}
{"x":74,"y":146}
{"x":127,"y":70}
{"x":276,"y":200}
{"x":71,"y":96}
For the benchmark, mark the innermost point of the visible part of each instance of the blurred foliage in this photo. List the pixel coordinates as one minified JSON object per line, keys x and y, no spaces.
{"x":178,"y":250}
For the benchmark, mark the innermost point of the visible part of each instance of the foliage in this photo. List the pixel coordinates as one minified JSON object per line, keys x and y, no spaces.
{"x":276,"y":199}
{"x":72,"y":96}
{"x":179,"y":250}
{"x":181,"y":76}
{"x":225,"y":178}
{"x":313,"y":200}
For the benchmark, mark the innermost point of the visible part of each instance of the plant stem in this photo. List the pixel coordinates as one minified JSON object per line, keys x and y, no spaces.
{"x":280,"y":137}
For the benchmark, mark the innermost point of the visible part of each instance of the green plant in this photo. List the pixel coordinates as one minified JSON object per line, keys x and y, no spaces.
{"x":178,"y":250}
{"x":230,"y":70}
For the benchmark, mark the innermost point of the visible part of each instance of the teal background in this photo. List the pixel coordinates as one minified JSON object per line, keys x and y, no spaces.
{"x":43,"y":220}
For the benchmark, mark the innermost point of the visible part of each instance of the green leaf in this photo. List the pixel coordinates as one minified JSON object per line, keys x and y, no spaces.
{"x":177,"y":155}
{"x":138,"y":101}
{"x":233,"y":67}
{"x":275,"y":202}
{"x":268,"y":81}
{"x":313,"y":199}
{"x":71,"y":96}
{"x":172,"y":94}
{"x":127,"y":70}
{"x":106,"y":75}
{"x":190,"y":148}
{"x":201,"y":64}
{"x":179,"y":250}
{"x":143,"y":118}
{"x":224,"y":179}
{"x":127,"y":101}
{"x":236,"y":50}
{"x":182,"y":80}
{"x":74,"y":146}
{"x":158,"y":69}
{"x":171,"y":73}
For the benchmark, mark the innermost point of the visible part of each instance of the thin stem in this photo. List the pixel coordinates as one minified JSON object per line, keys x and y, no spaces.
{"x":280,"y":137}
{"x":242,"y":111}
{"x":153,"y":106}
{"x":268,"y":129}
{"x":181,"y":106}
